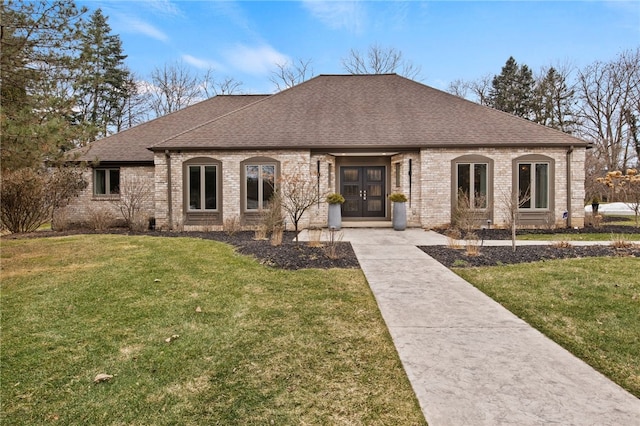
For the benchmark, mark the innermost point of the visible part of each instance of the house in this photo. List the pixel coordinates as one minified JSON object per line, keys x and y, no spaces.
{"x":364,"y":136}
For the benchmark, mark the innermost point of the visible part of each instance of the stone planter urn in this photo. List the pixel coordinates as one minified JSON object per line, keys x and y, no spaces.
{"x":335,"y":211}
{"x":399,"y":215}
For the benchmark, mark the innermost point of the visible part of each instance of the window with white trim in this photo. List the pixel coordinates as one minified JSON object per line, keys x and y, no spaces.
{"x":533,"y":185}
{"x":106,"y":181}
{"x":202,"y":187}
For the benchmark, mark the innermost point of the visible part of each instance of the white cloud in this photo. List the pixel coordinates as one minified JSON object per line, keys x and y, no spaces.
{"x":338,"y":14}
{"x":204,"y":64}
{"x":131,"y":24}
{"x":258,"y":60}
{"x":164,"y":7}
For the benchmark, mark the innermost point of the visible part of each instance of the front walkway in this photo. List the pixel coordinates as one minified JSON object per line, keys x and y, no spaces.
{"x":469,"y":360}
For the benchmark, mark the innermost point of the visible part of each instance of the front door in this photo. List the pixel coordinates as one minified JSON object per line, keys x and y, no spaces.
{"x":363,"y":189}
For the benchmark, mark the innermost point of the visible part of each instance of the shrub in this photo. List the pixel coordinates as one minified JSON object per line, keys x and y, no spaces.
{"x":398,"y":197}
{"x":276,"y":236}
{"x":472,"y":244}
{"x":231,"y":225}
{"x":334,"y":198}
{"x":29,"y":197}
{"x":453,"y":236}
{"x":99,"y":218}
{"x":134,"y":193}
{"x":620,"y":241}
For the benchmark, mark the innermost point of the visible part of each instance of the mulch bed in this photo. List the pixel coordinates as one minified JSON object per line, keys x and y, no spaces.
{"x":292,"y":255}
{"x":493,"y":256}
{"x":289,"y":255}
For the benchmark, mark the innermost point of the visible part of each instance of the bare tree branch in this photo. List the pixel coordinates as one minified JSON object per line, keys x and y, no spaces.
{"x":289,"y":74}
{"x":379,"y":60}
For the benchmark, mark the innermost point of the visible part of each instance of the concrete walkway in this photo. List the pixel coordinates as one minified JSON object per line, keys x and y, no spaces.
{"x":469,"y":360}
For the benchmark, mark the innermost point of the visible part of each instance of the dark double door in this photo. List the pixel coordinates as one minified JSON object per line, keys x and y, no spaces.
{"x":363,"y":188}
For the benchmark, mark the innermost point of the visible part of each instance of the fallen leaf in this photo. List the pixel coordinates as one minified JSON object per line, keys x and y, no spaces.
{"x":172,"y":338}
{"x":102,"y":377}
{"x":198,"y":309}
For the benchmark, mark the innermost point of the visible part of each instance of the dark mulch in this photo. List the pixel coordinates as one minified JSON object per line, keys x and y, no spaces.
{"x":492,"y":256}
{"x":291,"y":255}
{"x":505,"y":234}
{"x":288,"y":255}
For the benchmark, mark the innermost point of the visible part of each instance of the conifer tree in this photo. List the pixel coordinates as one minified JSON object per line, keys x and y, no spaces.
{"x":103,"y":81}
{"x":512,"y":90}
{"x":39,"y":42}
{"x":553,"y":101}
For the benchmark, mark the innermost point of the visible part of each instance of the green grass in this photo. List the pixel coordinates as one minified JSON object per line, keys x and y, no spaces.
{"x":269,"y":347}
{"x":589,"y":306}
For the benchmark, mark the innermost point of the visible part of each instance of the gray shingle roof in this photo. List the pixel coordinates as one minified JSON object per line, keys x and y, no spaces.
{"x":132,"y":145}
{"x":363,"y":111}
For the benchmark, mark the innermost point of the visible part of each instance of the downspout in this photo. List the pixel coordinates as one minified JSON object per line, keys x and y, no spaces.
{"x":318,"y":178}
{"x":167,"y":156}
{"x":569,"y":195}
{"x":410,"y":182}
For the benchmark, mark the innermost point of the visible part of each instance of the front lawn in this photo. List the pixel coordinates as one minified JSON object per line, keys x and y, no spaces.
{"x":589,"y":306}
{"x":192,"y":333}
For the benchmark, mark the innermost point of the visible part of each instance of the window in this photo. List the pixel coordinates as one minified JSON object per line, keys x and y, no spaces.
{"x":260,"y":184}
{"x":398,"y":174}
{"x":202,"y":184}
{"x":533,"y":185}
{"x":106,"y":181}
{"x":471,"y":186}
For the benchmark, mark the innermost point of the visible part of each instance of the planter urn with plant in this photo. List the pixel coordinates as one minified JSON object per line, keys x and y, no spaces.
{"x":335,"y":201}
{"x":399,"y":218}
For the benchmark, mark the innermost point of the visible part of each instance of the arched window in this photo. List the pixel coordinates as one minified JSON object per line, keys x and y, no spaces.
{"x":472,"y":178}
{"x":202,"y":190}
{"x":259,"y":181}
{"x":533,"y":179}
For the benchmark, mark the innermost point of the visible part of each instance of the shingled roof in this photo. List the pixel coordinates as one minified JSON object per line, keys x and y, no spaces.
{"x":363,"y":111}
{"x":131,"y":145}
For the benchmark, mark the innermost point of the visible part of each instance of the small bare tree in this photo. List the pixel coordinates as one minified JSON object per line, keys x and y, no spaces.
{"x":297,"y":193}
{"x":135,"y":192}
{"x":512,"y":203}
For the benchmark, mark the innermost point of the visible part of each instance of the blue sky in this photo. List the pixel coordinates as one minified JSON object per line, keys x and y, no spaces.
{"x":449,"y":40}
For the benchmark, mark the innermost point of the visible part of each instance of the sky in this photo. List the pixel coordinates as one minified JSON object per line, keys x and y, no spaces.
{"x":448,"y":40}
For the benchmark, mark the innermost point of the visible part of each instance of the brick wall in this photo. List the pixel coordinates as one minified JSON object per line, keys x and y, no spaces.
{"x":430,"y":193}
{"x":81,"y":208}
{"x":291,"y":162}
{"x":436,"y":190}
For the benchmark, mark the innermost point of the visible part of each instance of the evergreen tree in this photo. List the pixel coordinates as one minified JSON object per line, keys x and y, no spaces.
{"x":103,"y":83}
{"x":553,"y":101}
{"x":512,"y":90}
{"x":39,"y":42}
